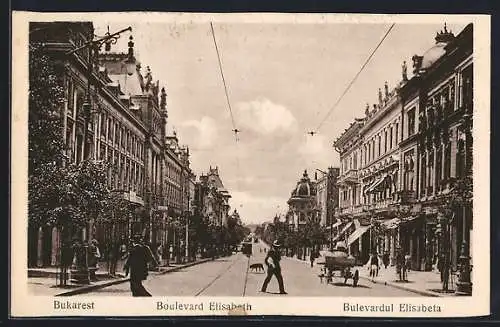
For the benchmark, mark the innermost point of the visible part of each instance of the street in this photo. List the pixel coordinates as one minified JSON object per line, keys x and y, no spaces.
{"x":228,"y":277}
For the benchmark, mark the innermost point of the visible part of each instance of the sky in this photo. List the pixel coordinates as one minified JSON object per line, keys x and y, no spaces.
{"x":282,"y":80}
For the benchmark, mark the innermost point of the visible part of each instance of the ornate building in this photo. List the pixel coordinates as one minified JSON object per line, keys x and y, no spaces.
{"x":402,"y":162}
{"x":302,"y":206}
{"x":127,"y":129}
{"x":212,"y":198}
{"x":437,"y":149}
{"x":141,"y":93}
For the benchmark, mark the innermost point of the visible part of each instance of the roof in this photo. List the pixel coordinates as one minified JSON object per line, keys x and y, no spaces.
{"x":305,"y":187}
{"x":129,"y":84}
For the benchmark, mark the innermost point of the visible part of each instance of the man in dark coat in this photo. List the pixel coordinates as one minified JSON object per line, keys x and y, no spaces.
{"x":137,"y":264}
{"x":272,"y":261}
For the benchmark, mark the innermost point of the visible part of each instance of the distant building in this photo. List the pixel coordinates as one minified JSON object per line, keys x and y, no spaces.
{"x":327,"y":198}
{"x":212,"y":198}
{"x":302,"y":206}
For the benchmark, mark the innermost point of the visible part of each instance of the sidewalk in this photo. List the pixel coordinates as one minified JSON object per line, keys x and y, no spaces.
{"x":425,"y":283}
{"x":42,"y":281}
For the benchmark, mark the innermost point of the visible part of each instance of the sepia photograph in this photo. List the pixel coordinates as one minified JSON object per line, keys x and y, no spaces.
{"x":232,"y":162}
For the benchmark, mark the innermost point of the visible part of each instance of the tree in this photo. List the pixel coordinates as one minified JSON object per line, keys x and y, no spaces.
{"x":46,"y":96}
{"x":59,"y":193}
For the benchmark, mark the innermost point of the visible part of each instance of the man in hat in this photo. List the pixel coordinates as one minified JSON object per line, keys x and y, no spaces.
{"x":272,"y":261}
{"x":137,"y":264}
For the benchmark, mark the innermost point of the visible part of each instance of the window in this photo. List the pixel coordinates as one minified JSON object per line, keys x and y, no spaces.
{"x":385,"y":141}
{"x":439,"y":162}
{"x":79,"y":102}
{"x":117,"y":134}
{"x":423,"y":177}
{"x":103,"y":124}
{"x":379,"y":145}
{"x":447,"y":161}
{"x":109,"y":129}
{"x":364,"y":156}
{"x":411,"y":121}
{"x":103,"y":152}
{"x":467,"y":88}
{"x":390,"y":138}
{"x":128,"y":142}
{"x":124,"y":138}
{"x":430,"y":181}
{"x":408,"y":171}
{"x":397,"y":133}
{"x":71,"y":98}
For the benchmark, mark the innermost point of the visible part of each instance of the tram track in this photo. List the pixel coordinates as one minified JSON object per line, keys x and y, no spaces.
{"x":221,"y":274}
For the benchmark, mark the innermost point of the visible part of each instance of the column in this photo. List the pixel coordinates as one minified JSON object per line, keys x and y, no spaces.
{"x":453,"y":157}
{"x":434,"y":175}
{"x":39,"y":254}
{"x":55,"y":251}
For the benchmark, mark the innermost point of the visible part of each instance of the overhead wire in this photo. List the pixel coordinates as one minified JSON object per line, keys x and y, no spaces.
{"x":235,"y":130}
{"x":353,"y":80}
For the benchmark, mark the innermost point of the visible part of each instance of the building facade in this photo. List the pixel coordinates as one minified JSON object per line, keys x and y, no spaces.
{"x":436,"y":148}
{"x":302,"y":205}
{"x":212,"y":198}
{"x":126,"y":128}
{"x":402,"y":162}
{"x":327,"y":194}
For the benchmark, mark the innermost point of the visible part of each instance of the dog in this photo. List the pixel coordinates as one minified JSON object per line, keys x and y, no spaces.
{"x":257,"y":267}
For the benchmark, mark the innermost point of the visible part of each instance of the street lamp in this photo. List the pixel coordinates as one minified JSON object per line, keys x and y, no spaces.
{"x":464,"y":285}
{"x":93,"y":47}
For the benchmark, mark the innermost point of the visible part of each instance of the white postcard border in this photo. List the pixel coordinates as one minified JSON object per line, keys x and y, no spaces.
{"x":24,"y":304}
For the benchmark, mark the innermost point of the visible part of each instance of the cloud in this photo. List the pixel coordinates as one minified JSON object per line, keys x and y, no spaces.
{"x":316,"y":151}
{"x":207,"y":131}
{"x":265,"y":117}
{"x":313,"y":146}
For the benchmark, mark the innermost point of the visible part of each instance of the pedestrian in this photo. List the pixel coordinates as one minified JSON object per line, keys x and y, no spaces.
{"x":272,"y":261}
{"x":312,"y":257}
{"x":153,"y":263}
{"x":94,"y":256}
{"x":385,"y":259}
{"x":137,"y":265}
{"x":113,"y":255}
{"x":374,"y":265}
{"x":407,"y":265}
{"x":159,"y":254}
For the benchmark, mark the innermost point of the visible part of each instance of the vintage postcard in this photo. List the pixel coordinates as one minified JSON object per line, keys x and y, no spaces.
{"x":250,"y":164}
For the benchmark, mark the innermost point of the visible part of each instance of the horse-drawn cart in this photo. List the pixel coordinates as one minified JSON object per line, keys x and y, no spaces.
{"x":338,"y":263}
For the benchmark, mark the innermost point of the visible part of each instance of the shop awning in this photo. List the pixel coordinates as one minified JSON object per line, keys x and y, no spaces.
{"x":391,"y":223}
{"x":357,"y":234}
{"x":378,"y":183}
{"x":342,"y":232}
{"x":367,"y":188}
{"x":375,"y":184}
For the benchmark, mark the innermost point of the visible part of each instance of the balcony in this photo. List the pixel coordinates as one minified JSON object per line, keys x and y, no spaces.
{"x":350,"y":176}
{"x":351,"y":210}
{"x":380,"y":205}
